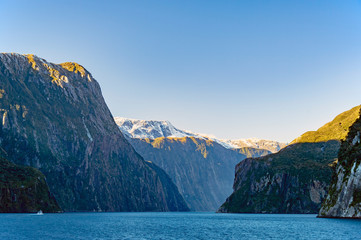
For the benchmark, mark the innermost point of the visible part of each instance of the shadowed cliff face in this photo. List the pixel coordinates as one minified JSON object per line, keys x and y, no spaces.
{"x":24,"y":189}
{"x":294,"y":180}
{"x":54,"y":118}
{"x":203,"y":170}
{"x":344,"y":196}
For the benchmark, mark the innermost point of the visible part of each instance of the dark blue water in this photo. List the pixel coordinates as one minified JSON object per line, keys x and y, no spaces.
{"x":175,"y":226}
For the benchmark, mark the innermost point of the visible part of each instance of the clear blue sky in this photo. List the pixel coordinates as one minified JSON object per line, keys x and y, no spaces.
{"x":234,"y":69}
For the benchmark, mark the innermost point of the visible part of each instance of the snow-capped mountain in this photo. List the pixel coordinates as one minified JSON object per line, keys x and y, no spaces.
{"x":152,"y":129}
{"x":135,"y":128}
{"x":270,"y":145}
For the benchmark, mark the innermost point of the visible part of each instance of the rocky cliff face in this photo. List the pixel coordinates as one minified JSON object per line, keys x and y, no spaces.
{"x":294,"y":180}
{"x":203,"y":170}
{"x":24,"y":189}
{"x":344,"y":197}
{"x":54,"y":118}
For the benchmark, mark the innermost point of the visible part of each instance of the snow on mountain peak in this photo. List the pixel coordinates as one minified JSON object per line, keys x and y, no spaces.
{"x":135,"y":128}
{"x":152,"y":129}
{"x":270,"y":145}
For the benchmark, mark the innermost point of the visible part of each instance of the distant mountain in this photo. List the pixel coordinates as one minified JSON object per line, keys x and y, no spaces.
{"x":149,"y":129}
{"x":272,"y":146}
{"x":152,"y":129}
{"x":54,"y":118}
{"x":202,"y":169}
{"x":294,"y":180}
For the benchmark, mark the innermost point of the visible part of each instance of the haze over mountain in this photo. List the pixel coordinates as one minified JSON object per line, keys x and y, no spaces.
{"x":294,"y":180}
{"x":200,"y":166}
{"x":54,"y":118}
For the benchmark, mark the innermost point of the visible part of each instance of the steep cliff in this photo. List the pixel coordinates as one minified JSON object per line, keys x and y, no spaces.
{"x":24,"y":189}
{"x":54,"y":118}
{"x":294,"y":180}
{"x":203,"y":170}
{"x":344,"y":196}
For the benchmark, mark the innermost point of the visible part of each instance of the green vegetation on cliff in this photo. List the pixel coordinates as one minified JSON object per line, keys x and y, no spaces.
{"x":344,"y":196}
{"x":337,"y":129}
{"x":24,"y":189}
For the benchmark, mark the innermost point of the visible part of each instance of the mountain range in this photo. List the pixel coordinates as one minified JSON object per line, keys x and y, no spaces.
{"x":135,"y":128}
{"x":62,"y":150}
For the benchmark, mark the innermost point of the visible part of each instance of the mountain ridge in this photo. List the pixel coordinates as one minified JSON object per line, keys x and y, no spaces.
{"x":136,"y":128}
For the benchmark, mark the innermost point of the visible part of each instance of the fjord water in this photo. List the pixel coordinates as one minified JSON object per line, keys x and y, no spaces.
{"x":175,"y":226}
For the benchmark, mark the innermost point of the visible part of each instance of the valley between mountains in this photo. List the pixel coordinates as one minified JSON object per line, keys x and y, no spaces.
{"x":62,"y":150}
{"x":201,"y":167}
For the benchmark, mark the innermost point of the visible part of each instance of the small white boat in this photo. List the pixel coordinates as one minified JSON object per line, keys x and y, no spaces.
{"x":40,"y":213}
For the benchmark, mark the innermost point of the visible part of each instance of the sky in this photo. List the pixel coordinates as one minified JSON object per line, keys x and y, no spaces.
{"x":232,"y":69}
